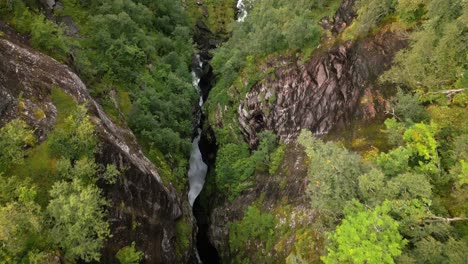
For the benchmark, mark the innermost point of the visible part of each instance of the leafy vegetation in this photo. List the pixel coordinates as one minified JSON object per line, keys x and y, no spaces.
{"x":365,"y":237}
{"x":45,"y":35}
{"x":129,"y":255}
{"x":406,"y":204}
{"x":135,"y":58}
{"x":63,"y":210}
{"x":235,"y":164}
{"x":15,"y":136}
{"x":255,"y":227}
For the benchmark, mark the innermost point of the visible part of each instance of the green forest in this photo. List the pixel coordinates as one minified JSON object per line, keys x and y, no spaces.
{"x":399,"y":199}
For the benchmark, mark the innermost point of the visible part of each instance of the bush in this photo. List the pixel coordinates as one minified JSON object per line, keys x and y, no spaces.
{"x":255,"y":227}
{"x":14,"y":137}
{"x":333,"y":174}
{"x":77,"y":215}
{"x":365,"y":236}
{"x":233,"y":168}
{"x":276,"y":158}
{"x":129,"y":255}
{"x":75,"y":138}
{"x":49,"y":37}
{"x":408,"y":108}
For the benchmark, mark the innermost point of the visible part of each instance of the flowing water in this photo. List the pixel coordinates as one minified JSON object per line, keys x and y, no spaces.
{"x":198,"y":168}
{"x":242,"y":11}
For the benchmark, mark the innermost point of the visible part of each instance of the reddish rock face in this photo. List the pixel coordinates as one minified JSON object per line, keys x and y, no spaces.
{"x":319,"y":95}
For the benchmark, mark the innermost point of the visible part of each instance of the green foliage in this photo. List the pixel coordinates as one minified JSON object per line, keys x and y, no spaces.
{"x":436,"y":56}
{"x":235,"y":164}
{"x":14,"y":137}
{"x":21,"y":228}
{"x":139,"y":48}
{"x":129,"y":255}
{"x":49,"y":37}
{"x":276,"y":158}
{"x":184,"y":233}
{"x":430,"y":250}
{"x":233,"y":168}
{"x":77,"y":215}
{"x":410,"y":10}
{"x":419,"y":152}
{"x":365,"y":236}
{"x":45,"y":35}
{"x":144,"y":49}
{"x":261,"y":157}
{"x":409,"y":186}
{"x":420,"y":139}
{"x":255,"y":227}
{"x":216,"y":14}
{"x":370,"y":14}
{"x":75,"y":138}
{"x":372,"y":186}
{"x":394,"y":162}
{"x":65,"y":104}
{"x":408,"y":108}
{"x":395,"y":131}
{"x":333,"y":174}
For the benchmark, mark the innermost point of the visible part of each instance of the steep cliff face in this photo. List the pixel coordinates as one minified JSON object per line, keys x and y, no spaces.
{"x":142,"y":208}
{"x":320,"y":94}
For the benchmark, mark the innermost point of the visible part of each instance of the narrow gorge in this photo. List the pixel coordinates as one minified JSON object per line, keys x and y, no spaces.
{"x":233,"y":131}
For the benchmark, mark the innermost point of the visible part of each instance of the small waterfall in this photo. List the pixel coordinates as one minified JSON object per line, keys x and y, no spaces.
{"x":242,"y":11}
{"x":198,"y":168}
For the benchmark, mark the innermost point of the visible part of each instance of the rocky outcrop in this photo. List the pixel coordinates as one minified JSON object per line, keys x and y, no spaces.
{"x":344,"y":16}
{"x":319,"y":95}
{"x":143,"y":208}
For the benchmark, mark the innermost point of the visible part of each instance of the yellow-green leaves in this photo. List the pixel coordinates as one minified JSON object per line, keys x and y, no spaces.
{"x":365,"y":236}
{"x":14,"y":137}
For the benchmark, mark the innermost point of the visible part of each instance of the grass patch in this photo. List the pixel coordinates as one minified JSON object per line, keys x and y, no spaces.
{"x":65,"y":104}
{"x":125,"y":103}
{"x":183,"y":235}
{"x":40,"y":168}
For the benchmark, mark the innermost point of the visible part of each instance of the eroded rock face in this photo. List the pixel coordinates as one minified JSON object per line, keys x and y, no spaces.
{"x":320,"y":94}
{"x":143,"y":208}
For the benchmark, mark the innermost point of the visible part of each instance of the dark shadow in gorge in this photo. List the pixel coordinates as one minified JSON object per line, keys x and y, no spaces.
{"x":203,"y":204}
{"x":207,"y":252}
{"x":206,"y":41}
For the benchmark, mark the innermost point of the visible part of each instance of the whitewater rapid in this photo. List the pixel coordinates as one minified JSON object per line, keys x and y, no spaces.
{"x":242,"y":11}
{"x":198,"y":168}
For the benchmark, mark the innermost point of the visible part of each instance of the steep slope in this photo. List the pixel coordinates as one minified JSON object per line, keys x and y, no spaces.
{"x":142,"y":209}
{"x":326,"y":92}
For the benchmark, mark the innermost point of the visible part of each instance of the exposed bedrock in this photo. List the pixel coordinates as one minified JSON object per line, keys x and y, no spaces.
{"x":319,"y":95}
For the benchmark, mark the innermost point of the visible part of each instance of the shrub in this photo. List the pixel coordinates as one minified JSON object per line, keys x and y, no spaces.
{"x":129,"y":255}
{"x":14,"y":136}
